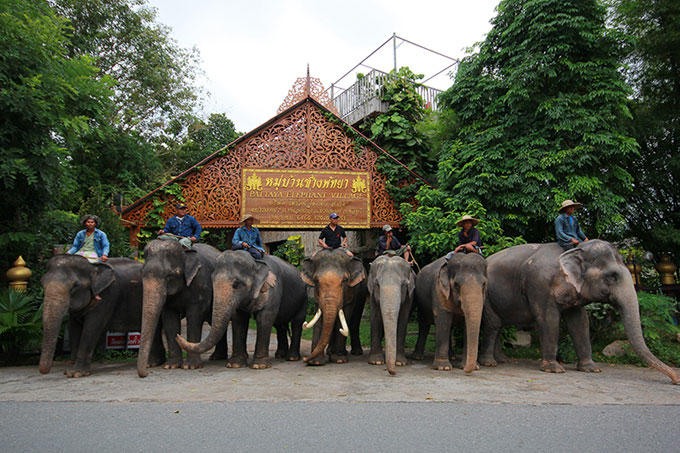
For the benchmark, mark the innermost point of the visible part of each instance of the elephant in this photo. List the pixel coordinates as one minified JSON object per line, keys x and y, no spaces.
{"x":540,"y":283}
{"x":391,"y":283}
{"x":176,"y":282}
{"x":339,"y":286}
{"x":446,"y":290}
{"x":268,"y":288}
{"x":98,"y":297}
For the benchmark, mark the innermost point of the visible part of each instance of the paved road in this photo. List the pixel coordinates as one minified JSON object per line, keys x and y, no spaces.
{"x":328,"y":426}
{"x":355,"y":407}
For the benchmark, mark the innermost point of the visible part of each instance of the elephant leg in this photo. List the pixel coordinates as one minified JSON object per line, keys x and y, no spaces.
{"x":157,"y":355}
{"x":549,"y":334}
{"x":579,"y":331}
{"x":221,"y":351}
{"x":452,"y":343}
{"x":91,"y":331}
{"x":402,"y":328}
{"x":491,"y":327}
{"x":75,"y":330}
{"x":319,"y":360}
{"x":442,"y":323}
{"x":171,"y":326}
{"x":376,"y":356}
{"x":265,"y":322}
{"x":281,"y":341}
{"x":354,"y":323}
{"x":338,"y":348}
{"x":296,"y":336}
{"x":498,"y":353}
{"x":239,"y":330}
{"x":423,"y":333}
{"x":194,"y":328}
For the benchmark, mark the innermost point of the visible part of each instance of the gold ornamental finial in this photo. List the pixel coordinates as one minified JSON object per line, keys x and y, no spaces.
{"x":18,"y":275}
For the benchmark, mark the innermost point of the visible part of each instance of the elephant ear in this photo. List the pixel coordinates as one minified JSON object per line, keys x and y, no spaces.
{"x":411,"y":283}
{"x":375,"y":269}
{"x":356,"y":271}
{"x":307,"y":272}
{"x":191,"y":265}
{"x":571,"y":264}
{"x":264,"y":279}
{"x":443,"y":281}
{"x":103,"y":277}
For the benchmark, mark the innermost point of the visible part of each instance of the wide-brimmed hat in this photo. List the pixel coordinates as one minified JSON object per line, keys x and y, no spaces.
{"x":387,"y":228}
{"x":85,"y":218}
{"x":467,"y":217}
{"x":568,"y":203}
{"x":248,"y":216}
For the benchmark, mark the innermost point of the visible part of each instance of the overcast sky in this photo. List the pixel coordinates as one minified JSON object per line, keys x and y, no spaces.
{"x":252,"y":51}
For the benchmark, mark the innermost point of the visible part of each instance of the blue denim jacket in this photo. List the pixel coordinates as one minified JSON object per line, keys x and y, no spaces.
{"x":566,"y":227}
{"x":101,"y":243}
{"x":252,"y":237}
{"x":187,"y":228}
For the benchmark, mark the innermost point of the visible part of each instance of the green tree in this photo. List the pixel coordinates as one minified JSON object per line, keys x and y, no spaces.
{"x":155,"y":77}
{"x":652,"y":28}
{"x":48,"y":101}
{"x":541,"y":106}
{"x":398,"y":133}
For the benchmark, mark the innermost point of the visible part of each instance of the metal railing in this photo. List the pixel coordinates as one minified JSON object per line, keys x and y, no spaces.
{"x":368,"y":88}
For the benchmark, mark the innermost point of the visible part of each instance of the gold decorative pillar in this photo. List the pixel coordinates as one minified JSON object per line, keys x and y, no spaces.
{"x":634,"y":268}
{"x":666,"y":270}
{"x":18,"y":275}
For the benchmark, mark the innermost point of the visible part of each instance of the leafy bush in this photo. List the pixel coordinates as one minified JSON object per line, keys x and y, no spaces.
{"x":292,"y":251}
{"x":432,"y":225}
{"x":20,"y":322}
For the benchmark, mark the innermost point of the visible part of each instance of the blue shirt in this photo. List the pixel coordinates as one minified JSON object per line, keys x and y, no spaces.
{"x":101,"y":243}
{"x":250,"y":237}
{"x":566,"y":228}
{"x":187,"y":227}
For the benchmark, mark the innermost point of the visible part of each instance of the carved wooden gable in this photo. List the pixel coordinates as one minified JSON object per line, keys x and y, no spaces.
{"x":306,"y":136}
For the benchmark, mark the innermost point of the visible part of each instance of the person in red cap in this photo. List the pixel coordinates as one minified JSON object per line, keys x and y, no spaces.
{"x":333,"y":236}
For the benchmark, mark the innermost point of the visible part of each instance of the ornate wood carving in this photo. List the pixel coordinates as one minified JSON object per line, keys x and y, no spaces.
{"x":302,"y":138}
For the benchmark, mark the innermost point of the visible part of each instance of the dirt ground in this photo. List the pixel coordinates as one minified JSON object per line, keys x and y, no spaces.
{"x":519,"y":382}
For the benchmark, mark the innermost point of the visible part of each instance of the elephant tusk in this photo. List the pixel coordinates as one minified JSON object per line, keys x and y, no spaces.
{"x":308,"y":325}
{"x":344,"y":330}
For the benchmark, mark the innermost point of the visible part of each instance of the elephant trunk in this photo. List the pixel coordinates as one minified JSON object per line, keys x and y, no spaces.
{"x":472,"y":304}
{"x":225,"y":302}
{"x":390,"y":299}
{"x":155,"y":294}
{"x":329,"y":311}
{"x":630,"y":316}
{"x":56,"y":304}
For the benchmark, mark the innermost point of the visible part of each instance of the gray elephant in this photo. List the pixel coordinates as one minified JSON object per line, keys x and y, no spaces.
{"x":97,"y":297}
{"x":269,"y":289}
{"x":446,"y":290}
{"x":176,"y":283}
{"x":540,"y":284}
{"x":390,"y":283}
{"x":339,"y":287}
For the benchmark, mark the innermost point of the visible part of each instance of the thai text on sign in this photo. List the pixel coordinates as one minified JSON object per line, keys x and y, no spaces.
{"x":305,"y":198}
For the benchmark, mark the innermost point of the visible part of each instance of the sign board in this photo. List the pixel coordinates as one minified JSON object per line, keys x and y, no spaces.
{"x":305,"y":198}
{"x":121,"y":340}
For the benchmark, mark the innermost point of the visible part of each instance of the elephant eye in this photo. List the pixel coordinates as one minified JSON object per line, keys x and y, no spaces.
{"x":611,"y":277}
{"x":237,"y":284}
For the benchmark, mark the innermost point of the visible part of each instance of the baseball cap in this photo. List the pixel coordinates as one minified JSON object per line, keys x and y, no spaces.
{"x":333,"y":216}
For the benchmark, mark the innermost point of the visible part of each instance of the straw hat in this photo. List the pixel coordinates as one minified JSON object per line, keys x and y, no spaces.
{"x":568,"y":203}
{"x":248,"y":216}
{"x":467,"y":217}
{"x":85,"y":218}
